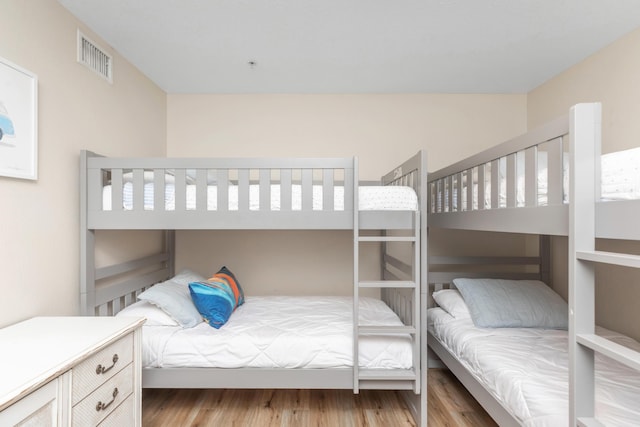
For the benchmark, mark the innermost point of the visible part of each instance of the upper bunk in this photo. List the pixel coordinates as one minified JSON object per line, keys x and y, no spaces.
{"x":247,"y":193}
{"x":524,"y":185}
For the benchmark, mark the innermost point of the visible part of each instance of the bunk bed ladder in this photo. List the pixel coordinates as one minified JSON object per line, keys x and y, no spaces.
{"x":397,"y":378}
{"x":583,"y":342}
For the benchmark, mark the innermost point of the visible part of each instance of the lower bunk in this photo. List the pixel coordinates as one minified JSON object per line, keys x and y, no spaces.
{"x":284,"y":342}
{"x":520,"y":375}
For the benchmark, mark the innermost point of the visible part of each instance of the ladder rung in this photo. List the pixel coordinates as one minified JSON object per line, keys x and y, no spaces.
{"x":386,"y":239}
{"x":625,"y":260}
{"x":387,"y":284}
{"x":402,"y":329}
{"x":610,"y":349}
{"x":589,"y":422}
{"x":386,"y":374}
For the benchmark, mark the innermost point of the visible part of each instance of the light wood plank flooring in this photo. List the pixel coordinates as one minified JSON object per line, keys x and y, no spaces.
{"x":449,"y":405}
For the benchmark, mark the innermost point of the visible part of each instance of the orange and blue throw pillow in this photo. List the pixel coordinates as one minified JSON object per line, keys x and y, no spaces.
{"x":217,"y":297}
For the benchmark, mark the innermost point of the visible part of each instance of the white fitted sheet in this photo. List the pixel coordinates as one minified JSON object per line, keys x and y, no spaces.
{"x":370,"y":197}
{"x":527,"y":370}
{"x":282,"y":332}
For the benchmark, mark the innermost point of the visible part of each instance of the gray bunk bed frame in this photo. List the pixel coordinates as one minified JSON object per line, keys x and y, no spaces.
{"x":583,"y":219}
{"x":106,"y":290}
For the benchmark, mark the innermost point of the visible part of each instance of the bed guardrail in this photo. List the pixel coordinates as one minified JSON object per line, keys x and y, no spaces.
{"x":526,"y":173}
{"x":241,"y":193}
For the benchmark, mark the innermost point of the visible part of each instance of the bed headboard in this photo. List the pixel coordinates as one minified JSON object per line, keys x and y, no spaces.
{"x":443,"y":269}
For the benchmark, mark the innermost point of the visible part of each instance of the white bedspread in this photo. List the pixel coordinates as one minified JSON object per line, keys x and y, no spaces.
{"x":282,"y":332}
{"x":370,"y":197}
{"x":527,"y":370}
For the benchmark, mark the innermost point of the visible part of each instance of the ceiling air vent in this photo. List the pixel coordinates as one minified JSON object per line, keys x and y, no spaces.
{"x":95,"y":57}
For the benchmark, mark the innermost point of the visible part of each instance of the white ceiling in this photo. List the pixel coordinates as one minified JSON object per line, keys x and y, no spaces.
{"x":355,"y":46}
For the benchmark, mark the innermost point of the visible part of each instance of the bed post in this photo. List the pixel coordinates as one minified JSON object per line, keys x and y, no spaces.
{"x":423,"y":186}
{"x":87,"y":246}
{"x":585,"y":149}
{"x":356,"y":279}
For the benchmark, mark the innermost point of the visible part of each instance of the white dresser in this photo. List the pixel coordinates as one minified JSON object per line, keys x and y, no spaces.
{"x":71,"y":371}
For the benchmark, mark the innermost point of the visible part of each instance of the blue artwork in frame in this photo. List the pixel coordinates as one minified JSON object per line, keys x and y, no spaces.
{"x":18,"y":122}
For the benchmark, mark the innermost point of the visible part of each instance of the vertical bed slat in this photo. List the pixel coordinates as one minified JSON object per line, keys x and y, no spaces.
{"x":555,"y":190}
{"x":138,"y":189}
{"x":481,"y":187}
{"x":222,"y":183}
{"x":116,"y":189}
{"x":512,"y":179}
{"x":180,"y":199}
{"x":349,"y":184}
{"x":440,"y":192}
{"x":202,"y":197}
{"x":531,"y":176}
{"x":265,"y":190}
{"x":449,"y":190}
{"x":243,"y":190}
{"x":285,"y":189}
{"x":469,"y":177}
{"x":327,"y":190}
{"x":159,"y":189}
{"x":495,"y":184}
{"x":307,"y":189}
{"x":459,"y":191}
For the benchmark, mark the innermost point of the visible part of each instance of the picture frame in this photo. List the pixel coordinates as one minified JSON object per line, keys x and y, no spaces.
{"x":18,"y":122}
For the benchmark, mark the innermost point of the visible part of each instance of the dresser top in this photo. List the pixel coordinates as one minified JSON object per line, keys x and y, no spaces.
{"x":37,"y":350}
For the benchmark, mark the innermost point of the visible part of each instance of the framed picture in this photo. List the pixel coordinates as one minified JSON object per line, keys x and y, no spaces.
{"x":18,"y":122}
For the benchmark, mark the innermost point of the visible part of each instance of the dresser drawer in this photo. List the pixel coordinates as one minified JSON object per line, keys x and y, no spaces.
{"x":97,"y":369}
{"x":123,"y":415}
{"x":99,"y":404}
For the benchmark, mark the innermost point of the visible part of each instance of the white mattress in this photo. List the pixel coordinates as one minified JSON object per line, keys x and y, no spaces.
{"x":527,"y":370}
{"x":282,"y":332}
{"x":370,"y":197}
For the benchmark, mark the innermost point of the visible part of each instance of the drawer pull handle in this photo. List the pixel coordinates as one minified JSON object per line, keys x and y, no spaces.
{"x":102,"y":369}
{"x":102,"y":406}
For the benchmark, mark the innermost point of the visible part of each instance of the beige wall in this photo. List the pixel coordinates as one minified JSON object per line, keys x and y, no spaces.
{"x":612,"y":77}
{"x":39,"y":231}
{"x":39,"y":255}
{"x":382,"y":130}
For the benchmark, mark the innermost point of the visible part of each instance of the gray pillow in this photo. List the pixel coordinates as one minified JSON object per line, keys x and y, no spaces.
{"x":500,"y":303}
{"x":175,"y":300}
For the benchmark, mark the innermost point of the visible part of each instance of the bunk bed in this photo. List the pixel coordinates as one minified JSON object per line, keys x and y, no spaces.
{"x":172,"y":194}
{"x":546,"y":182}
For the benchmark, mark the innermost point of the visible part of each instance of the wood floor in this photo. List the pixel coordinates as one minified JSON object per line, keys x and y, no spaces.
{"x":449,"y":405}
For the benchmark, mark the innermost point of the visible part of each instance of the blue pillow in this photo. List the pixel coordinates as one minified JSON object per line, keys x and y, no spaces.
{"x":500,"y":303}
{"x":214,"y":299}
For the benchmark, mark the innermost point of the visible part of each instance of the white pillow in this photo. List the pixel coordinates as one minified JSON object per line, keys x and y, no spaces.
{"x":154,"y":315}
{"x":452,"y":302}
{"x":149,"y":177}
{"x":187,"y":276}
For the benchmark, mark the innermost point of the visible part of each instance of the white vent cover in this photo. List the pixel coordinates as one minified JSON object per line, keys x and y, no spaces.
{"x":94,"y":57}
